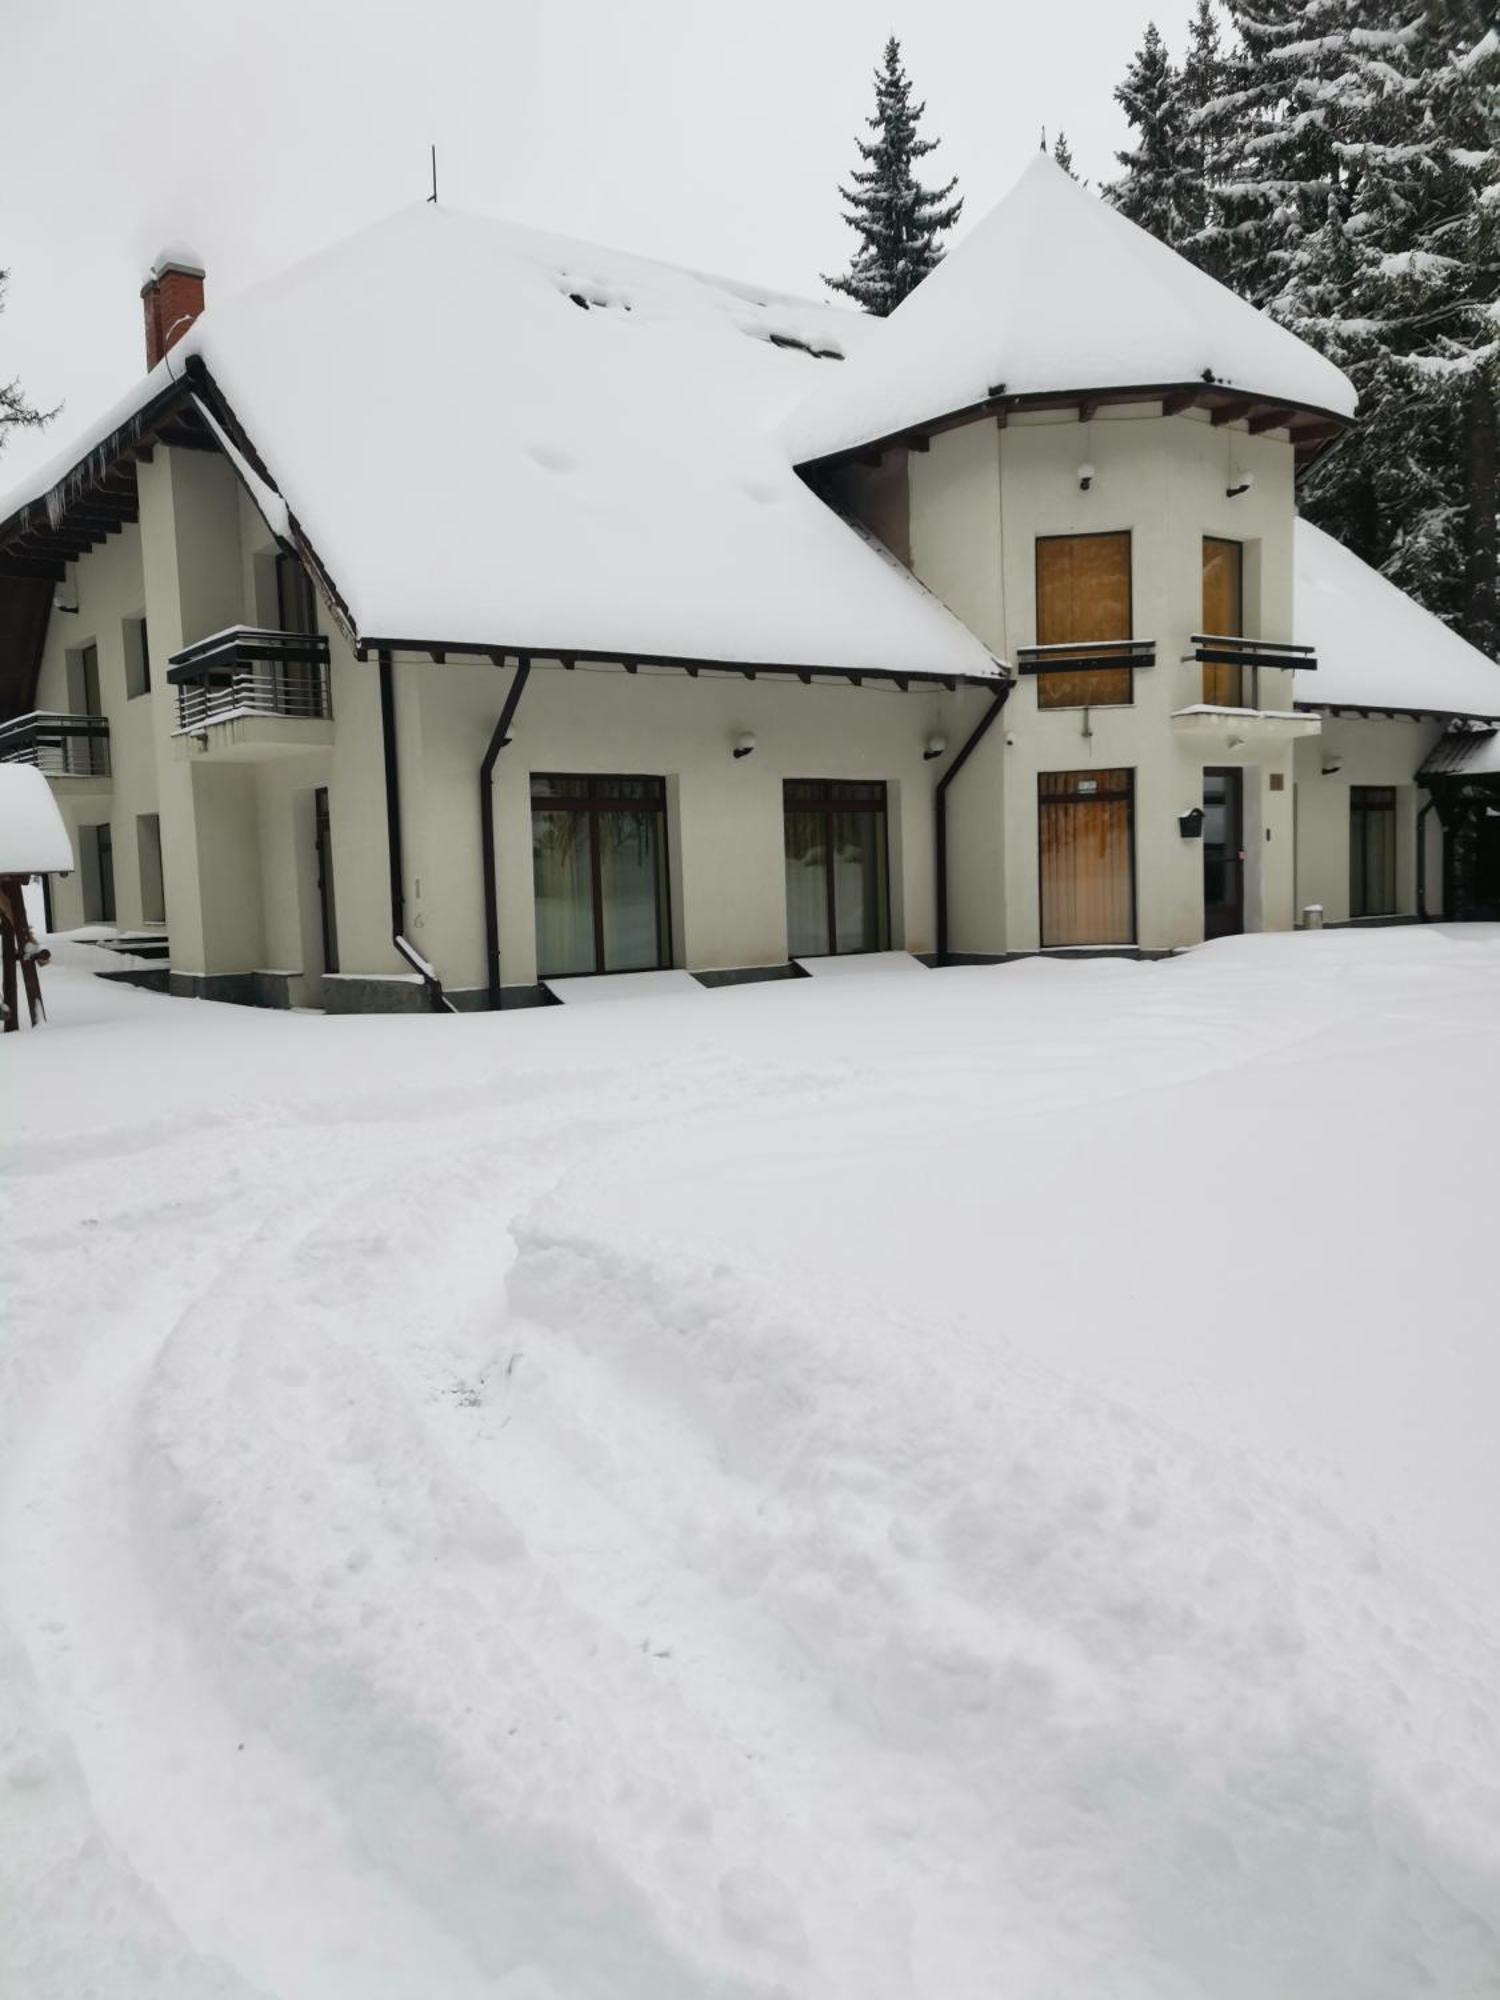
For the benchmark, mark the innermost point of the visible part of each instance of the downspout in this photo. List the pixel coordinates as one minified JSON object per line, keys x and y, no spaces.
{"x":498,"y":741}
{"x":1422,"y":860}
{"x":436,"y":999}
{"x":940,"y":811}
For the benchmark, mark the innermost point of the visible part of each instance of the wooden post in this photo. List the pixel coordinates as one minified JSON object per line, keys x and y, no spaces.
{"x":18,"y":949}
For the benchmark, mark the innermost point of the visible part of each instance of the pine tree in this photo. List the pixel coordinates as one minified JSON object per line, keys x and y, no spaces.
{"x":15,"y":412}
{"x":1208,"y":143}
{"x":1404,"y":300}
{"x":1157,"y":184}
{"x":898,"y":221}
{"x":1062,"y":152}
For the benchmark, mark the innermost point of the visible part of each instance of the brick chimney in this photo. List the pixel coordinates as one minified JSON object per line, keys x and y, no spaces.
{"x":173,"y":298}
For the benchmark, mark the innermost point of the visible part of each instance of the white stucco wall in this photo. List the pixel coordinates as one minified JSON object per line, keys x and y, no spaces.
{"x":980,"y":499}
{"x":724,"y":815}
{"x":1352,"y":751}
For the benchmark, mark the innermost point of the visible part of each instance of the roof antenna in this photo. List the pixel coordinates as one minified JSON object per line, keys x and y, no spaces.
{"x":433,"y":196}
{"x":1043,"y":147}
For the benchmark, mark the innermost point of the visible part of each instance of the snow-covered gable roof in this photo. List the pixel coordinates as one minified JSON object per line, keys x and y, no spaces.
{"x":33,"y":837}
{"x":500,"y":438}
{"x":1056,"y":291}
{"x":1377,"y":647}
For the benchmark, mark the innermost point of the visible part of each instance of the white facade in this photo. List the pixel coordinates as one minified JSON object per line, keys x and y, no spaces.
{"x":793,"y":630}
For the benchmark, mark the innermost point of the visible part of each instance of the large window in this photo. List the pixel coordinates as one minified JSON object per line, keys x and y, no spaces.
{"x":1083,"y":598}
{"x":1372,"y":850}
{"x":837,"y":875}
{"x":1223,"y":617}
{"x":599,"y":867}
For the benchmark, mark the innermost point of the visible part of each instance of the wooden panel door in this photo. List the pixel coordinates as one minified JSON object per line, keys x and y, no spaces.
{"x":1083,"y":597}
{"x":1223,"y":616}
{"x":1087,"y":836}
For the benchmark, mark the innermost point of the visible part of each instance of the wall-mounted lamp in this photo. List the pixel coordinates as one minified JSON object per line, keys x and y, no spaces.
{"x":58,"y":605}
{"x":1190,"y":823}
{"x":1238,"y":484}
{"x":1086,"y":476}
{"x":744,"y":743}
{"x":1331,"y":765}
{"x":934,"y":747}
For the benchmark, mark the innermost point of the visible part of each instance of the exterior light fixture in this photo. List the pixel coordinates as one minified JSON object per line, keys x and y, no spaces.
{"x":744,"y":743}
{"x":1238,"y":485}
{"x":1190,"y":823}
{"x":934,"y":747}
{"x":1086,"y":476}
{"x":58,"y":605}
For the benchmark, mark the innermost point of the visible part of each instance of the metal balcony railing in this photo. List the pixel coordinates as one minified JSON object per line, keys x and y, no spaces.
{"x":59,"y":746}
{"x":1232,"y":666}
{"x":1085,"y":656}
{"x":247,"y":671}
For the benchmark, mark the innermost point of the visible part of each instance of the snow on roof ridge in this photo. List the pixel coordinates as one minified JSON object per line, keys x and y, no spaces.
{"x":1054,"y":290}
{"x":1376,"y":647}
{"x":476,"y":459}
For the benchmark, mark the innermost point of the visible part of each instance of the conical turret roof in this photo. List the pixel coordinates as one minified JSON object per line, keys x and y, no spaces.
{"x":1056,"y":292}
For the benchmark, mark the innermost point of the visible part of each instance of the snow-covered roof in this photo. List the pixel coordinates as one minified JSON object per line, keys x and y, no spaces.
{"x":496,"y":437}
{"x":1054,"y":291}
{"x":1377,"y":647}
{"x":33,"y":837}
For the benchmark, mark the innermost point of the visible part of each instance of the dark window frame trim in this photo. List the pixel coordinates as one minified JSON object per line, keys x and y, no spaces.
{"x":593,"y":806}
{"x":829,"y":808}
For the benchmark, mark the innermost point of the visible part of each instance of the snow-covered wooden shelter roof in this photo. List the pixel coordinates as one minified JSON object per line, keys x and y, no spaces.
{"x":33,"y":836}
{"x":1376,"y":647}
{"x":1056,"y":295}
{"x":496,"y":438}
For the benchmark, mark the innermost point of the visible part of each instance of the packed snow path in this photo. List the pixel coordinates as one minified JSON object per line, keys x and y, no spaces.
{"x":929,"y":1486}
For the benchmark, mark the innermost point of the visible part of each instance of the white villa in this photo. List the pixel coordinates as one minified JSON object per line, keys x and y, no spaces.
{"x":467,"y":609}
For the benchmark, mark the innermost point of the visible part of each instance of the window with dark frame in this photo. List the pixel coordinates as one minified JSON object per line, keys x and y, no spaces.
{"x":1083,"y":598}
{"x":1372,"y":850}
{"x":97,"y":845}
{"x":837,"y":867}
{"x":153,"y":885}
{"x":137,"y":659}
{"x":599,"y":872}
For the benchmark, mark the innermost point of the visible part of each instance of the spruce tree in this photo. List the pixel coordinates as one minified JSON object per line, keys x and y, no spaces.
{"x":1062,"y":152}
{"x":1400,"y":287}
{"x":1157,"y":186}
{"x":1208,"y":143}
{"x":15,"y":412}
{"x":897,"y":220}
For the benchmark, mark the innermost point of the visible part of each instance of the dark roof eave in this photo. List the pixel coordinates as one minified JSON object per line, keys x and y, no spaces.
{"x":1203,"y":395}
{"x":568,"y":656}
{"x":1384,"y":711}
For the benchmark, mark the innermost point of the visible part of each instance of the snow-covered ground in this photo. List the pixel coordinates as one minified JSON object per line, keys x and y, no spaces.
{"x":958,"y":1486}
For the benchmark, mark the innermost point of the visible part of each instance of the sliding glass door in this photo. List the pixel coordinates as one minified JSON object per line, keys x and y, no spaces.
{"x":837,"y":875}
{"x":599,"y":870}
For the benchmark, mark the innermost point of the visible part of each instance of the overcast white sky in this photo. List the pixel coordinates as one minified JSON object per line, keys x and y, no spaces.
{"x":708,"y":134}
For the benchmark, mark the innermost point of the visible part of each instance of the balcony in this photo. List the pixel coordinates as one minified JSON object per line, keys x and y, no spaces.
{"x":1232,"y":667}
{"x":72,"y":750}
{"x":252,"y":694}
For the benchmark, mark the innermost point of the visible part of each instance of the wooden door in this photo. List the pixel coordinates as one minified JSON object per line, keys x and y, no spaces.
{"x":1083,"y":597}
{"x":1087,"y":838}
{"x":1223,"y":616}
